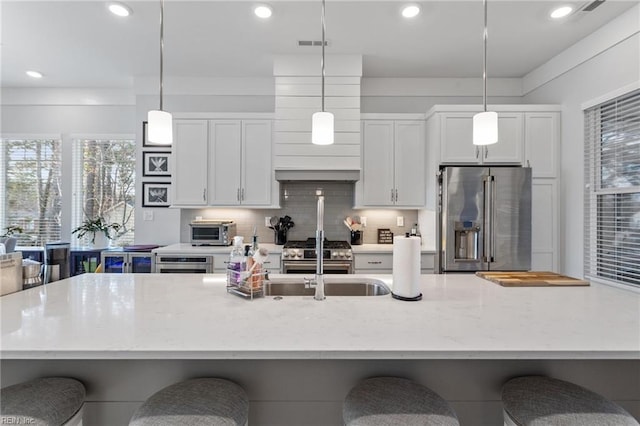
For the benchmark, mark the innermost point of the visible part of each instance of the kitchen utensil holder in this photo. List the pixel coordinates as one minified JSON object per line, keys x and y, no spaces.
{"x":247,"y":286}
{"x":356,"y":238}
{"x":280,"y":237}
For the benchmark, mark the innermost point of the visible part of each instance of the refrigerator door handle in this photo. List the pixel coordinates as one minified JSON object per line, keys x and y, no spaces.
{"x":493,"y":218}
{"x":488,"y":183}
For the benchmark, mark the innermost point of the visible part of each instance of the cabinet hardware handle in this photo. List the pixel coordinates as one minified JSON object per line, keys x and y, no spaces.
{"x":477,"y":152}
{"x":238,"y":194}
{"x":486,"y":152}
{"x":396,"y":195}
{"x":242,"y":195}
{"x":377,"y":262}
{"x":392,"y":195}
{"x":204,"y":194}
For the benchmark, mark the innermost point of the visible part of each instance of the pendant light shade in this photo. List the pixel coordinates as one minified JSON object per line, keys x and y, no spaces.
{"x":322,"y":128}
{"x":485,"y":124}
{"x":160,"y":123}
{"x":322,"y":122}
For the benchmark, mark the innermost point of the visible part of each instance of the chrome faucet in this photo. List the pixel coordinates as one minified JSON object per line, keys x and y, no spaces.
{"x":318,"y":281}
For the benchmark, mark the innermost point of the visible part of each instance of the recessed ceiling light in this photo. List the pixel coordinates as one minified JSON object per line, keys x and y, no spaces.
{"x":34,"y":74}
{"x":561,"y":12}
{"x":119,"y":9}
{"x":411,"y":11}
{"x":263,"y":11}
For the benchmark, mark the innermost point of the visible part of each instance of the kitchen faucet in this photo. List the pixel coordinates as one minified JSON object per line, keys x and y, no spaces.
{"x":318,"y":281}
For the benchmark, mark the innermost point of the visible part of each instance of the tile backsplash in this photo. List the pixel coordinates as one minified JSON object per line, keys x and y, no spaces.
{"x":298,"y":200}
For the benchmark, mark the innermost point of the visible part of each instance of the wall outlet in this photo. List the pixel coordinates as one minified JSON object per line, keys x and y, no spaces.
{"x":400,"y":221}
{"x":147,"y":215}
{"x":363,"y":220}
{"x":267,"y":221}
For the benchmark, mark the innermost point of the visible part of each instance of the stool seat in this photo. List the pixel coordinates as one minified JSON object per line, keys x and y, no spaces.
{"x":50,"y":401}
{"x":388,"y":401}
{"x":195,"y":402}
{"x":539,"y":400}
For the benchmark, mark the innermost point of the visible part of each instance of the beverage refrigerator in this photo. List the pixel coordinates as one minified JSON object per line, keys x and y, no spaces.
{"x":483,"y":220}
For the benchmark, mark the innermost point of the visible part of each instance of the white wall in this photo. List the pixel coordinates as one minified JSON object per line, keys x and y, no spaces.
{"x":610,"y":70}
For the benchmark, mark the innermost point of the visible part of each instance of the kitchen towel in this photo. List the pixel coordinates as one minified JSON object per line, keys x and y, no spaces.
{"x":406,"y":268}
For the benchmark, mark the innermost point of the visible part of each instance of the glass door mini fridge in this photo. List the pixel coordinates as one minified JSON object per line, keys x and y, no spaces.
{"x":483,"y":219}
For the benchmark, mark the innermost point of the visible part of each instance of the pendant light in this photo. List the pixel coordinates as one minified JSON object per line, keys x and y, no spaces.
{"x":322,"y":122}
{"x":485,"y":124}
{"x":160,"y":123}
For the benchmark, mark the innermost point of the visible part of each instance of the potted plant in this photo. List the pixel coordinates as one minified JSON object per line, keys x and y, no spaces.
{"x":12,"y":229}
{"x":96,"y":227}
{"x":8,"y":239}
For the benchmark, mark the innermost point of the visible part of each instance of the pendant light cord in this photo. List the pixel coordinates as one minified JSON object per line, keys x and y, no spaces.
{"x":161,"y":48}
{"x":484,"y":57}
{"x":322,"y":62}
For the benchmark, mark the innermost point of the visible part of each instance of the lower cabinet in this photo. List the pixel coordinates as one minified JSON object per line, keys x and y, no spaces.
{"x":382,"y":263}
{"x":83,"y":261}
{"x":544,"y":225}
{"x":271,"y":265}
{"x":119,"y":262}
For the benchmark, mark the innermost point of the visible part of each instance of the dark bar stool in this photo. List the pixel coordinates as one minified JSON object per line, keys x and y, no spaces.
{"x":195,"y":402}
{"x":386,"y":401}
{"x":51,"y":401}
{"x":539,"y":400}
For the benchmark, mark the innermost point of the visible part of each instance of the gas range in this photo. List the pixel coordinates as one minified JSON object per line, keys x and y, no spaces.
{"x":306,"y":249}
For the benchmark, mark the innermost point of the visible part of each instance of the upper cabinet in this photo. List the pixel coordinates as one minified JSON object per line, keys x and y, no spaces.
{"x":457,"y":134}
{"x":542,"y":135}
{"x":393,"y":164}
{"x":230,"y":163}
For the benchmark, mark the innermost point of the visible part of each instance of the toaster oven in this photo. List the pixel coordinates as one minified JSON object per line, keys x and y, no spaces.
{"x":212,"y":233}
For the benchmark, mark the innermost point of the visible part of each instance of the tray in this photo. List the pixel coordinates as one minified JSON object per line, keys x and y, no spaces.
{"x":531,"y":279}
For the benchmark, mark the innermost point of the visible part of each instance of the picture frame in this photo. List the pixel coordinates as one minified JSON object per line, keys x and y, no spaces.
{"x":156,"y":163}
{"x":156,"y":194}
{"x":145,"y":142}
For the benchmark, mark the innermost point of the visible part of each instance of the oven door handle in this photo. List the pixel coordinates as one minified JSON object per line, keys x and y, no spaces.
{"x":293,"y":266}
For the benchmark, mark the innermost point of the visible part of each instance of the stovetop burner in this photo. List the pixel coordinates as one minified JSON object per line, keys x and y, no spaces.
{"x":310,"y":243}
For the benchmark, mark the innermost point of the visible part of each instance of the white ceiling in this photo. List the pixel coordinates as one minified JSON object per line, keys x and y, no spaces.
{"x":81,"y":44}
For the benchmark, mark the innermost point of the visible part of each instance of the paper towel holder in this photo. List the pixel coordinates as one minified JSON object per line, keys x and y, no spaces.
{"x":403,"y":298}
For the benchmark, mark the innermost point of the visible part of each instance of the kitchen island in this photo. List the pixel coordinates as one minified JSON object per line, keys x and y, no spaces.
{"x":131,"y":334}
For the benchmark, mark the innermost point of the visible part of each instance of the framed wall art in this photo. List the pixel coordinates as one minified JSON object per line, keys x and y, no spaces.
{"x":156,"y":194}
{"x":156,"y":163}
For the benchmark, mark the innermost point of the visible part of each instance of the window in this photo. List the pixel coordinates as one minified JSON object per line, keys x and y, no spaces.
{"x":30,"y":178}
{"x":104,"y":185}
{"x":612,"y":190}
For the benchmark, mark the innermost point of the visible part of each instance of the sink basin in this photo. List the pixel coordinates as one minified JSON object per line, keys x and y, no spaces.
{"x":332,"y":287}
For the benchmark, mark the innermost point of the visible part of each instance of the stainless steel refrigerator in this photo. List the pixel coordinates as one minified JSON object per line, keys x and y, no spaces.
{"x":483,"y":219}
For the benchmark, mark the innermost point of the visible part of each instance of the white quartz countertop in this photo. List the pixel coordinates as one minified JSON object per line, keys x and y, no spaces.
{"x":188,"y":249}
{"x":189,"y":316}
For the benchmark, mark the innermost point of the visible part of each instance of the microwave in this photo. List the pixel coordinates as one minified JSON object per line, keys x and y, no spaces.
{"x":212,"y":233}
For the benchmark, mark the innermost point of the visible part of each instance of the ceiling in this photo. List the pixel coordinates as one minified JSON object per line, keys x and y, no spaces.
{"x":81,"y":44}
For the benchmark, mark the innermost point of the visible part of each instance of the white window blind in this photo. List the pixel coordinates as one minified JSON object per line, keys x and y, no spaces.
{"x":31,"y":197}
{"x":612,"y":190}
{"x":104,"y":185}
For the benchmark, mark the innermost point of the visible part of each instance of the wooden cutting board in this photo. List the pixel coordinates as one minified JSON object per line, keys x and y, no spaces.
{"x":530,"y":279}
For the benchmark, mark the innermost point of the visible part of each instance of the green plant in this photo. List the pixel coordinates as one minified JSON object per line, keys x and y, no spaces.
{"x":12,"y":229}
{"x":92,"y":226}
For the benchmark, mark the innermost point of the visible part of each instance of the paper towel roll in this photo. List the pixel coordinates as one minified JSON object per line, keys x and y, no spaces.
{"x":406,"y":268}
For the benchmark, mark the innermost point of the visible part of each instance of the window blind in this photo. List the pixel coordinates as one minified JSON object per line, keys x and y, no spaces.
{"x":31,"y":182}
{"x":612,"y":190}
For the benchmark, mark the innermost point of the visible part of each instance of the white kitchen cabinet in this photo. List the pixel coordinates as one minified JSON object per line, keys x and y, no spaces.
{"x":542,"y":136}
{"x":189,"y":172}
{"x":271,"y":264}
{"x":393,"y":153}
{"x":544,"y":225}
{"x":222,"y":163}
{"x":240,"y":156}
{"x":456,"y":140}
{"x":382,"y":263}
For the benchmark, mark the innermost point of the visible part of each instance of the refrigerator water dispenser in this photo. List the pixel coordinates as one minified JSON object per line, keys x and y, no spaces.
{"x":466,"y":241}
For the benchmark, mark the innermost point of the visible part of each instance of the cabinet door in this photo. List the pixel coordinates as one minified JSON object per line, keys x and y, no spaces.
{"x":409,"y":164}
{"x":256,"y":163}
{"x":114,"y":263}
{"x":542,"y":133}
{"x":377,"y":163}
{"x":509,"y":148}
{"x":225,"y":146}
{"x":189,"y":174}
{"x":544,"y":225}
{"x":456,"y":139}
{"x":382,"y":263}
{"x":139,"y":263}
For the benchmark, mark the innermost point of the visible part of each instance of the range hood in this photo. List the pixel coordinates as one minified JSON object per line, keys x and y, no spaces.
{"x":287,"y":175}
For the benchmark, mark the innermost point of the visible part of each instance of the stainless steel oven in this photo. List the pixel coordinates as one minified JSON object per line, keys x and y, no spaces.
{"x":184,"y":264}
{"x":299,"y":257}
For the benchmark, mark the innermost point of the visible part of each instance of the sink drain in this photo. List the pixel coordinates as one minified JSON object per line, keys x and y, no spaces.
{"x":277,"y":298}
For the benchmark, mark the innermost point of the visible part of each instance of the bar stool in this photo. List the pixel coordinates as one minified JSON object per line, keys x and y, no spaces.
{"x":387,"y":401}
{"x":195,"y":402}
{"x":539,"y":400}
{"x":51,"y":401}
